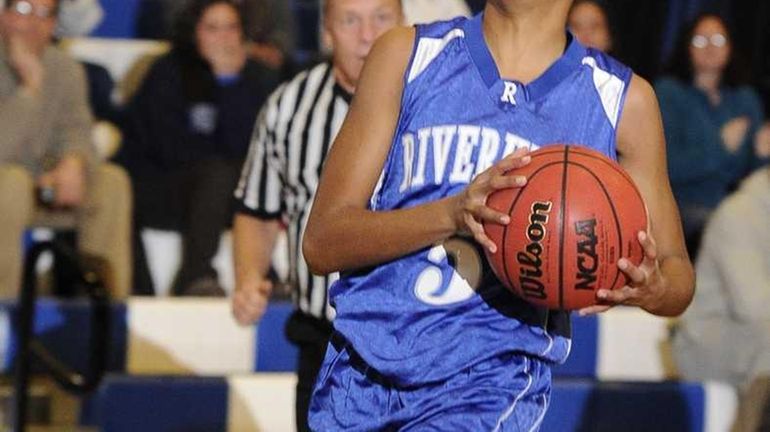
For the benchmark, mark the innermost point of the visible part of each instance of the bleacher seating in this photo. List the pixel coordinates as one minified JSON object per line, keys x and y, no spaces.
{"x":183,"y":364}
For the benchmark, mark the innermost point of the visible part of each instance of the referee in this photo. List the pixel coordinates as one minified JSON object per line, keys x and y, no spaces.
{"x":292,"y":136}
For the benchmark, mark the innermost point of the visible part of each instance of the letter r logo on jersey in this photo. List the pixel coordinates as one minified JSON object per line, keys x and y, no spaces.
{"x":509,"y":94}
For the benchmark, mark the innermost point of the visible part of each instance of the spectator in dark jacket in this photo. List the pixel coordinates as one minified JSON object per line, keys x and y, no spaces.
{"x":187,"y":133}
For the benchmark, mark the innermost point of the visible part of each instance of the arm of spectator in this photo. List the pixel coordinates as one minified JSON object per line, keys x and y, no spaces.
{"x":75,"y":122}
{"x":739,"y":136}
{"x":16,"y":114}
{"x":17,"y":110}
{"x":762,"y":144}
{"x":758,"y":139}
{"x":253,"y":243}
{"x":732,"y":244}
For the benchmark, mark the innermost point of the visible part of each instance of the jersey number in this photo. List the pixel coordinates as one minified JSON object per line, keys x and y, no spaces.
{"x":465,"y":261}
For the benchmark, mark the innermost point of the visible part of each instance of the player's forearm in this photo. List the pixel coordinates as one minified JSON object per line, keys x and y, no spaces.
{"x":350,"y":238}
{"x":253,"y":242}
{"x":680,"y":287}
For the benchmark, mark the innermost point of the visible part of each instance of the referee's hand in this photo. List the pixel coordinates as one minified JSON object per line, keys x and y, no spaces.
{"x":250,"y":301}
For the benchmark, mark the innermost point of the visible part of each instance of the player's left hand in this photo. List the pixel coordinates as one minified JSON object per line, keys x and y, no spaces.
{"x":646,"y":285}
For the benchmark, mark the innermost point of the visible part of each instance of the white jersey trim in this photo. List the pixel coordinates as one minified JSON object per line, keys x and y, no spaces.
{"x":610,"y":89}
{"x":427,"y":51}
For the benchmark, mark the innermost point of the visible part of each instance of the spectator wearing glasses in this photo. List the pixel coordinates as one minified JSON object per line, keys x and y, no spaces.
{"x":46,"y":146}
{"x":711,"y":118}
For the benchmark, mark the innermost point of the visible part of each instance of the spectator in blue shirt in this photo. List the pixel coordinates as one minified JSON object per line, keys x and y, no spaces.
{"x":710,"y":118}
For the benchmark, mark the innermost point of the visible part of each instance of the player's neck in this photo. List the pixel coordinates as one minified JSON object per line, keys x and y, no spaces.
{"x":525,"y":39}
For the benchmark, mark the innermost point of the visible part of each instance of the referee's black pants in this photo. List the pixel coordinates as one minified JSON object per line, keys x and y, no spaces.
{"x":311,"y":335}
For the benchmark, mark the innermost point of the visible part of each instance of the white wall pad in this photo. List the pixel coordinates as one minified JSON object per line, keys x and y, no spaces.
{"x":261,"y":403}
{"x":721,"y":407}
{"x":187,"y":336}
{"x":630,"y":345}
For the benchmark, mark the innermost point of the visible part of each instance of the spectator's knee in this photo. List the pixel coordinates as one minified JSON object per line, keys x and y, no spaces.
{"x":17,"y":198}
{"x":111,"y":184}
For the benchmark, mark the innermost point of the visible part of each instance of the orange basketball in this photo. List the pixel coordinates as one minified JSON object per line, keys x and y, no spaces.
{"x":577,"y":215}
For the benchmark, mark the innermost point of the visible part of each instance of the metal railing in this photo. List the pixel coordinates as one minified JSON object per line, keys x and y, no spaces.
{"x":31,"y":350}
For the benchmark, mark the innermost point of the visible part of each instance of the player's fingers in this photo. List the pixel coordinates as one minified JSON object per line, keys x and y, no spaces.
{"x":593,"y":310}
{"x":624,"y":296}
{"x":477,"y":230}
{"x":518,"y":153}
{"x":486,"y":214}
{"x":506,"y":182}
{"x":636,"y":275}
{"x":649,"y":245}
{"x":514,"y":161}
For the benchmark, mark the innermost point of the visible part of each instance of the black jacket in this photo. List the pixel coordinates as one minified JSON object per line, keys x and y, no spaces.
{"x":182,"y":115}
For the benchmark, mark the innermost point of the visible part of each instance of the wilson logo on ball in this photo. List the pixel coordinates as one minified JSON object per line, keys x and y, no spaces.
{"x":531,"y":263}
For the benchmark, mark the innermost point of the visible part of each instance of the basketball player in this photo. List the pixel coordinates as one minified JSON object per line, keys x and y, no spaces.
{"x":425,"y":336}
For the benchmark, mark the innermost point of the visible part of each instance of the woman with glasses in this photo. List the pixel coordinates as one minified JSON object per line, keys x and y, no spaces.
{"x":710,"y":118}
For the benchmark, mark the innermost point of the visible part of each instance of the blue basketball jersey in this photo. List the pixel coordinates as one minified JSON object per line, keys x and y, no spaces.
{"x":429,"y":315}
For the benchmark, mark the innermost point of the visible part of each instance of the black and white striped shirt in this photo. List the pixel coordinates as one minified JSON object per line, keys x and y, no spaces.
{"x":292,"y":136}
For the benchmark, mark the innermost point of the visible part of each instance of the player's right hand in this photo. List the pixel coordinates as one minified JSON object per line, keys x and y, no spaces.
{"x":250,"y":301}
{"x":470,"y":205}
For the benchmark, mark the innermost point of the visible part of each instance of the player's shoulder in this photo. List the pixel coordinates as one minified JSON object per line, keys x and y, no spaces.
{"x":640,"y":113}
{"x":396,"y":41}
{"x":417,"y":48}
{"x":405,"y":39}
{"x":390,"y":55}
{"x":640,"y":98}
{"x":607,"y":63}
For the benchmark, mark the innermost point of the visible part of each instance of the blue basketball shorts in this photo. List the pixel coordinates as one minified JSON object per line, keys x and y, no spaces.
{"x":508,"y":393}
